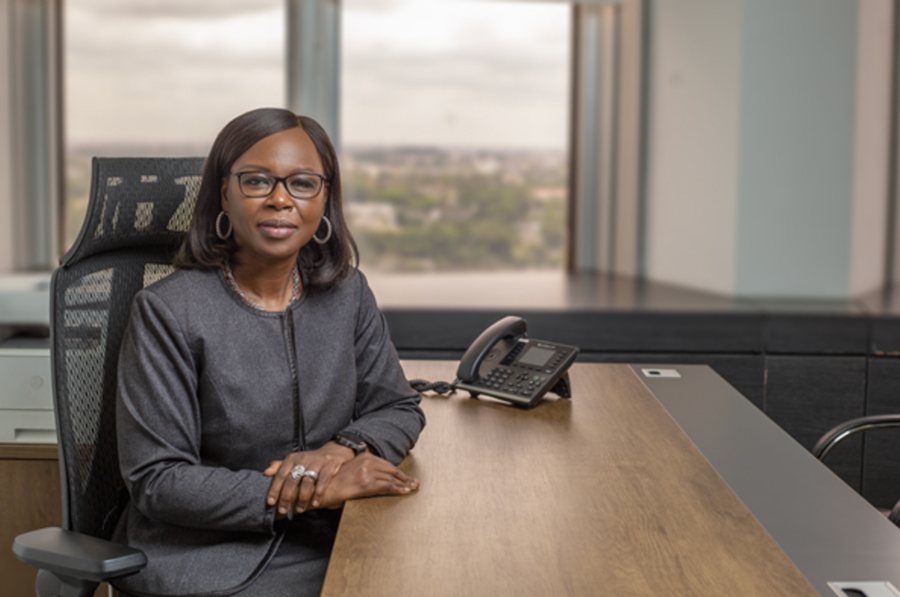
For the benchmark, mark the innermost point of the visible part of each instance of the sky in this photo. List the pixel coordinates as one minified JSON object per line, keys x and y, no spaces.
{"x":474,"y":73}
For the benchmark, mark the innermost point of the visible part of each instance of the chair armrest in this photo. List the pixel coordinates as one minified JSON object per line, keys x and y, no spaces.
{"x":74,"y":555}
{"x":844,"y":430}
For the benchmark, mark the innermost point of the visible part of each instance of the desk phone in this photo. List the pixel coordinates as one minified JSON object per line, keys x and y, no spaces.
{"x":504,"y":363}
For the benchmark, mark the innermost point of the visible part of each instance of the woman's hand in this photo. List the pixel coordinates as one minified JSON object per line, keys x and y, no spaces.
{"x":366,"y":475}
{"x":299,"y":494}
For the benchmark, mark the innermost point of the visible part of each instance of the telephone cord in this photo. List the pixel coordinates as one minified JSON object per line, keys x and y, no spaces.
{"x":438,"y":387}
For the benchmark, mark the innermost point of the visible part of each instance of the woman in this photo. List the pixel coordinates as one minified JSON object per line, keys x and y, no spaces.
{"x":258,"y":388}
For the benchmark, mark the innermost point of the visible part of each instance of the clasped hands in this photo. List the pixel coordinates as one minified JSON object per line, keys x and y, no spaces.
{"x":341,"y":477}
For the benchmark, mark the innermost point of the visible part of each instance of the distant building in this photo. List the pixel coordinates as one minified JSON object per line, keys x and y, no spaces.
{"x":374,"y":217}
{"x":557,"y":193}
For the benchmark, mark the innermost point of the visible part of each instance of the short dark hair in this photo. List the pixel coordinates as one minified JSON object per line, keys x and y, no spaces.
{"x":322,"y":264}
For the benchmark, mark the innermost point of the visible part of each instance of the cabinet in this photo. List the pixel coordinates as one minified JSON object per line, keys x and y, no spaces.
{"x":29,"y":499}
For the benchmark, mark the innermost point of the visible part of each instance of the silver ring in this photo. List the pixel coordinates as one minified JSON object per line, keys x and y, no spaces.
{"x":312,"y":475}
{"x":298,"y":472}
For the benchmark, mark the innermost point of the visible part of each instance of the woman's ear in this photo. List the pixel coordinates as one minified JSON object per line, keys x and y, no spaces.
{"x":224,"y":195}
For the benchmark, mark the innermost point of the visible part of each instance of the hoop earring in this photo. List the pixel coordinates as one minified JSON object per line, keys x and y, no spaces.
{"x":322,"y":241}
{"x":219,"y":233}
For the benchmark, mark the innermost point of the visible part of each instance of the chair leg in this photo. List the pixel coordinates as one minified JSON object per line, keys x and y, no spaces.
{"x":52,"y":585}
{"x":894,"y":516}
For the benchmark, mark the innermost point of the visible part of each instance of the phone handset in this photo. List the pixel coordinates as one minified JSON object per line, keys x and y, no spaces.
{"x":505,"y":364}
{"x":510,"y":327}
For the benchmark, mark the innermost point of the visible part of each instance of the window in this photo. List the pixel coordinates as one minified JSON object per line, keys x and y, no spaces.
{"x":161,"y":78}
{"x":454,"y":131}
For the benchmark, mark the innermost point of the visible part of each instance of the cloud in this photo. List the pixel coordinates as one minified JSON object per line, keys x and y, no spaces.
{"x":435,"y":72}
{"x":487,"y":54}
{"x":122,"y":50}
{"x":488,"y":74}
{"x":177,"y":78}
{"x":372,"y":6}
{"x":187,"y":105}
{"x":505,"y":76}
{"x":185,"y":9}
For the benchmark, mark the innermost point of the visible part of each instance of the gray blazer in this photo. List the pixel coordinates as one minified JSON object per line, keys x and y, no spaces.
{"x":211,"y":390}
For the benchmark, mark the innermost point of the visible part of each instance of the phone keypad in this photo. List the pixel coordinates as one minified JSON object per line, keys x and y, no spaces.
{"x":523,"y":383}
{"x":496,"y":378}
{"x":520,"y":382}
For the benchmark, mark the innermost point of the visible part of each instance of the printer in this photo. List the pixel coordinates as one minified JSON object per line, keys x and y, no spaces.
{"x":26,"y":395}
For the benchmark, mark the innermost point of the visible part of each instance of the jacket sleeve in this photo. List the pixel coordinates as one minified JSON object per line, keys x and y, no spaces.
{"x":387,"y":413}
{"x":159,"y":430}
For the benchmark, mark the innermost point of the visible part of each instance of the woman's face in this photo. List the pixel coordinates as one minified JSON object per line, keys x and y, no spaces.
{"x":275,"y":227}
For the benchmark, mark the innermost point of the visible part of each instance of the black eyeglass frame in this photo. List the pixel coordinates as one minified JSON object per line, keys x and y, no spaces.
{"x":282,"y":179}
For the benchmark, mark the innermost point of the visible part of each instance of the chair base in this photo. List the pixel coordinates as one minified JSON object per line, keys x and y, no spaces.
{"x":53,"y":585}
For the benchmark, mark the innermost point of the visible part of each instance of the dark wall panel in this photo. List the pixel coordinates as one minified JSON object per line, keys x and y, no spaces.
{"x":413,"y":330}
{"x":881,"y":472}
{"x":591,"y":331}
{"x":885,"y":336}
{"x":807,"y":396}
{"x":816,"y":334}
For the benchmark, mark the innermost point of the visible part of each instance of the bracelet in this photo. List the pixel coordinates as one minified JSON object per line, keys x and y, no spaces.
{"x":351,"y":440}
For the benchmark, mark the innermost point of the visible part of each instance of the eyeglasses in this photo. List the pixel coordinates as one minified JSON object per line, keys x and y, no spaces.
{"x":304,"y":185}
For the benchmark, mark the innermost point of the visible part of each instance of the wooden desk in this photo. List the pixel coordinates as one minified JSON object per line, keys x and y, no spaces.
{"x":601,"y":495}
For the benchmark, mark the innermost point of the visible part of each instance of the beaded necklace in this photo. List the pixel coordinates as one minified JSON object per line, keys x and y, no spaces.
{"x":237,"y":289}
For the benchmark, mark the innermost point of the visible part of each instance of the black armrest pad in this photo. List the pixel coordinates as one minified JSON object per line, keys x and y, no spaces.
{"x":76,"y":555}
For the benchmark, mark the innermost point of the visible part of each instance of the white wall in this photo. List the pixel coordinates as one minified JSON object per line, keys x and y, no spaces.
{"x":797,"y":153}
{"x":769,"y":134}
{"x":693,"y":142}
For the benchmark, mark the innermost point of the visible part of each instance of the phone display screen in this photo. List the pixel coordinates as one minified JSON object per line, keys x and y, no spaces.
{"x":537,"y":356}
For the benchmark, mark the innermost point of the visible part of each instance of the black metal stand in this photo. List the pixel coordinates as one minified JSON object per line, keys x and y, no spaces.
{"x":562,"y":387}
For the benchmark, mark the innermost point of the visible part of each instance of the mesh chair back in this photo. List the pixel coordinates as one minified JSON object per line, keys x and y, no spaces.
{"x":138,"y":212}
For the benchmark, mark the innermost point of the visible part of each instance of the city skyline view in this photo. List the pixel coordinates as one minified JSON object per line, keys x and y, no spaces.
{"x":417,"y":209}
{"x":453,"y":113}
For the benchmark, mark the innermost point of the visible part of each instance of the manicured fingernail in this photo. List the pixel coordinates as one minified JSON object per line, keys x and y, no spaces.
{"x":316,"y":503}
{"x":283,"y":510}
{"x":271,"y":501}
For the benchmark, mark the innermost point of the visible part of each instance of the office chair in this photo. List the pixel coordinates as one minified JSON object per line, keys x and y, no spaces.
{"x":138,"y":212}
{"x":852,"y":427}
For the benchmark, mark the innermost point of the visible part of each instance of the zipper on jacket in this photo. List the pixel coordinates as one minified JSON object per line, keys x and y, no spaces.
{"x":299,"y":433}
